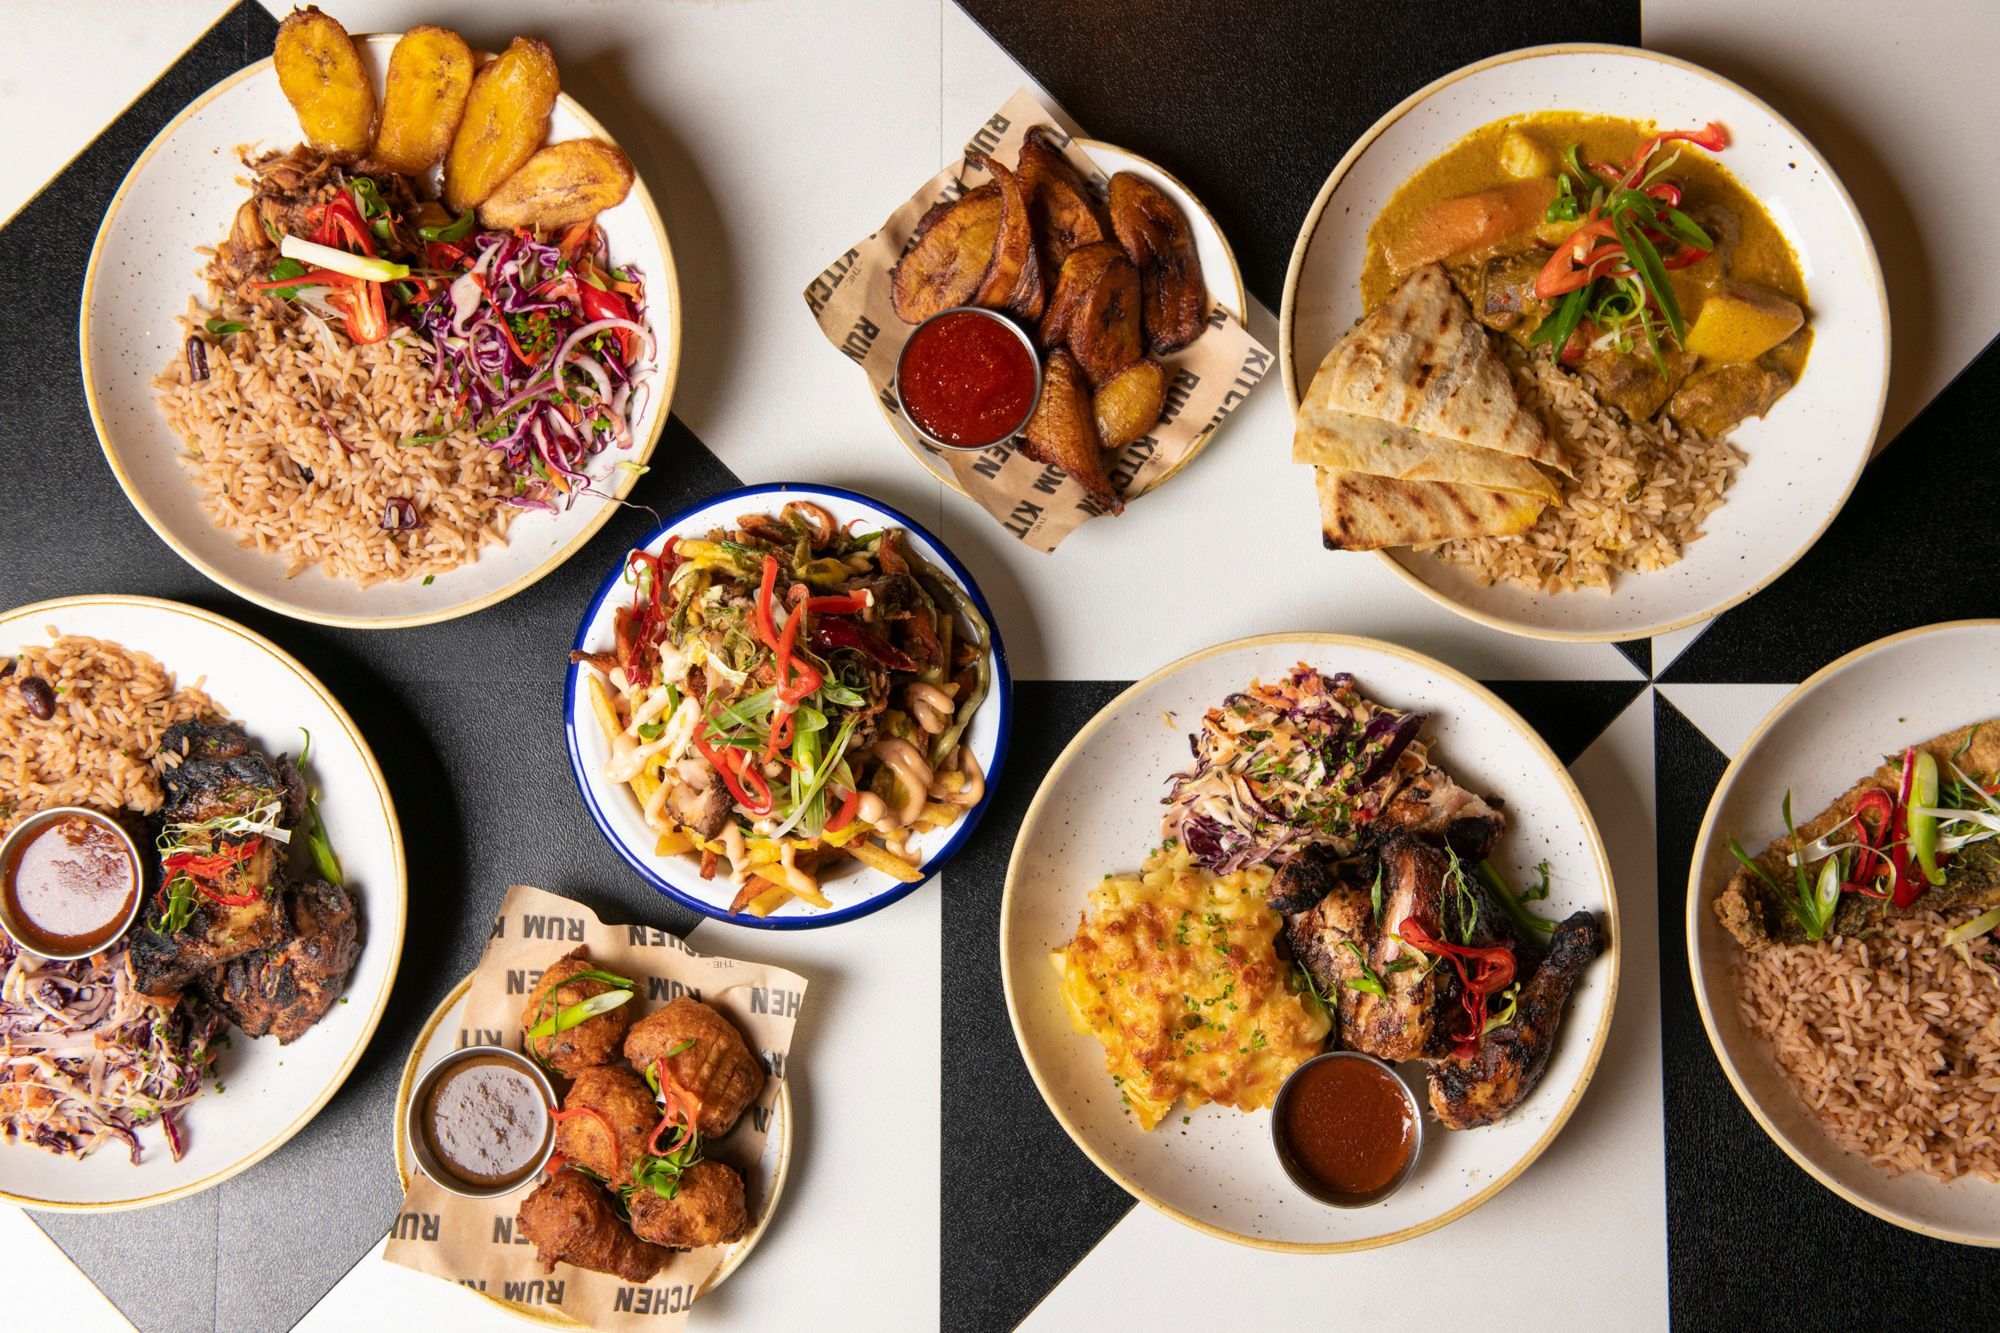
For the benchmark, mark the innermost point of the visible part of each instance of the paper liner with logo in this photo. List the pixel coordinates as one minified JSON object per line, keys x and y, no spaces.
{"x":1206,"y":380}
{"x":476,"y":1242}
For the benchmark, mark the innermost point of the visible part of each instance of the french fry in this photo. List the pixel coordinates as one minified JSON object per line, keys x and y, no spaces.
{"x":763,"y":904}
{"x":876,"y":858}
{"x":673,"y":842}
{"x":938,"y":815}
{"x":602,"y":705}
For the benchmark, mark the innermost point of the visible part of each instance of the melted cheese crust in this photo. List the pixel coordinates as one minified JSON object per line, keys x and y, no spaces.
{"x":1176,"y":972}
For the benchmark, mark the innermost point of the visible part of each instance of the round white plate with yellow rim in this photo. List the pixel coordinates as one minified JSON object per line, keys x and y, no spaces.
{"x":1804,"y":457}
{"x":1218,"y":268}
{"x":181,"y":195}
{"x":270,"y":1091}
{"x":1822,"y":738}
{"x":765,"y":1183}
{"x":1098,"y":812}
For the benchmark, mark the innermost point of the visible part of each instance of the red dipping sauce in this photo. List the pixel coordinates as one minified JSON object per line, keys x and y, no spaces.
{"x":967,"y":379}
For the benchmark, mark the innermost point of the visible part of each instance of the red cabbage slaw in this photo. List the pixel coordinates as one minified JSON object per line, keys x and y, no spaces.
{"x":542,"y":351}
{"x":1305,"y":760}
{"x":85,"y":1059}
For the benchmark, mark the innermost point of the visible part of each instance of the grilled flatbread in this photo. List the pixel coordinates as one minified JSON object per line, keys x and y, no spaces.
{"x":1348,"y":443}
{"x":1359,"y":512}
{"x":1419,"y":360}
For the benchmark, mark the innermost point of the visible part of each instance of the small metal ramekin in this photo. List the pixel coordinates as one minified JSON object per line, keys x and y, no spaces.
{"x":1034,"y":359}
{"x":420,"y":1096}
{"x":33,"y":824}
{"x":1312,"y":1187}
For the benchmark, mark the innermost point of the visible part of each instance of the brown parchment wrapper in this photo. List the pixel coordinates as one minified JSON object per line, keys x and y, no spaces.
{"x":475,"y":1242}
{"x":1206,"y":380}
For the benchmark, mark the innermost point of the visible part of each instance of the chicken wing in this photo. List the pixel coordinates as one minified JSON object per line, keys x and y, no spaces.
{"x":620,"y":1115}
{"x":707,"y":1210}
{"x":595,"y":1040}
{"x":569,"y":1220}
{"x":1467,"y":1093}
{"x":706,"y":1054}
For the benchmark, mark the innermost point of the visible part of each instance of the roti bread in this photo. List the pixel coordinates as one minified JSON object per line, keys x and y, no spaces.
{"x":1359,"y":512}
{"x":1420,"y":361}
{"x":1348,"y":443}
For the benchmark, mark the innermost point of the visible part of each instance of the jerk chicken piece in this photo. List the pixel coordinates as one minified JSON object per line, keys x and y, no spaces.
{"x":1432,"y":803}
{"x":708,"y":1209}
{"x":569,"y":1219}
{"x":1467,"y":1093}
{"x":288,"y":987}
{"x":214,"y":773}
{"x":705,"y":1053}
{"x":1412,"y":1018}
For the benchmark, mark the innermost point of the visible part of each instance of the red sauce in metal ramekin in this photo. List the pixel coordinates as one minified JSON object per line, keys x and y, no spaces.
{"x":967,"y":379}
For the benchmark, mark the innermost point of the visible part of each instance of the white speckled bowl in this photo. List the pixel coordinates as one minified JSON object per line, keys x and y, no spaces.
{"x":1822,"y":738}
{"x":1804,"y":457}
{"x":181,"y":194}
{"x":1098,"y":811}
{"x":271,"y":1090}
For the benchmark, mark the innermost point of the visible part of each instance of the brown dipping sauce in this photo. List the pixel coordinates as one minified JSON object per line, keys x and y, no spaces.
{"x":485,"y":1122}
{"x":1346,"y":1124}
{"x":70,"y":886}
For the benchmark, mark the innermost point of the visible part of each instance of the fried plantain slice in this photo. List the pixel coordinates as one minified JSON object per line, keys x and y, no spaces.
{"x":1063,"y":434}
{"x":1104,"y":333}
{"x":1013,"y":244}
{"x":1156,"y":236}
{"x":1079,"y":273}
{"x":1128,"y":404}
{"x":949,"y":256}
{"x":1031,"y":293}
{"x":423,"y":99}
{"x":565,"y":183}
{"x":1062,"y":212}
{"x":506,"y":118}
{"x":321,"y":75}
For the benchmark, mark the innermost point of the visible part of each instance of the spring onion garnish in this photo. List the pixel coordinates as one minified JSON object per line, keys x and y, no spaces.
{"x":456,"y":230}
{"x":1923,"y":816}
{"x":317,"y":842}
{"x":1489,"y":875}
{"x":1512,"y":996}
{"x":340,"y":261}
{"x":1973,"y":929}
{"x":565,"y":1019}
{"x":1813,"y":905}
{"x":222,"y":328}
{"x":1367,"y":982}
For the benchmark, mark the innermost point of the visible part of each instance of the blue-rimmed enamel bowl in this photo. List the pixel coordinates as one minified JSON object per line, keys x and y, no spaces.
{"x":854,"y":889}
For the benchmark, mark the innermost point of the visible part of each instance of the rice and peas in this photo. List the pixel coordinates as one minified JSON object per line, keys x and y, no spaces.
{"x":1891,"y":1040}
{"x":1641,"y":493}
{"x":404,"y":445}
{"x":84,"y":1059}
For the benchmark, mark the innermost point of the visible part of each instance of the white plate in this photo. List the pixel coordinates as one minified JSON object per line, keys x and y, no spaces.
{"x":1804,"y":457}
{"x":182,"y":193}
{"x":854,"y":889}
{"x":1099,"y":810}
{"x":271,"y":1091}
{"x":1216,"y":259}
{"x":765,"y":1183}
{"x":1820,"y":740}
